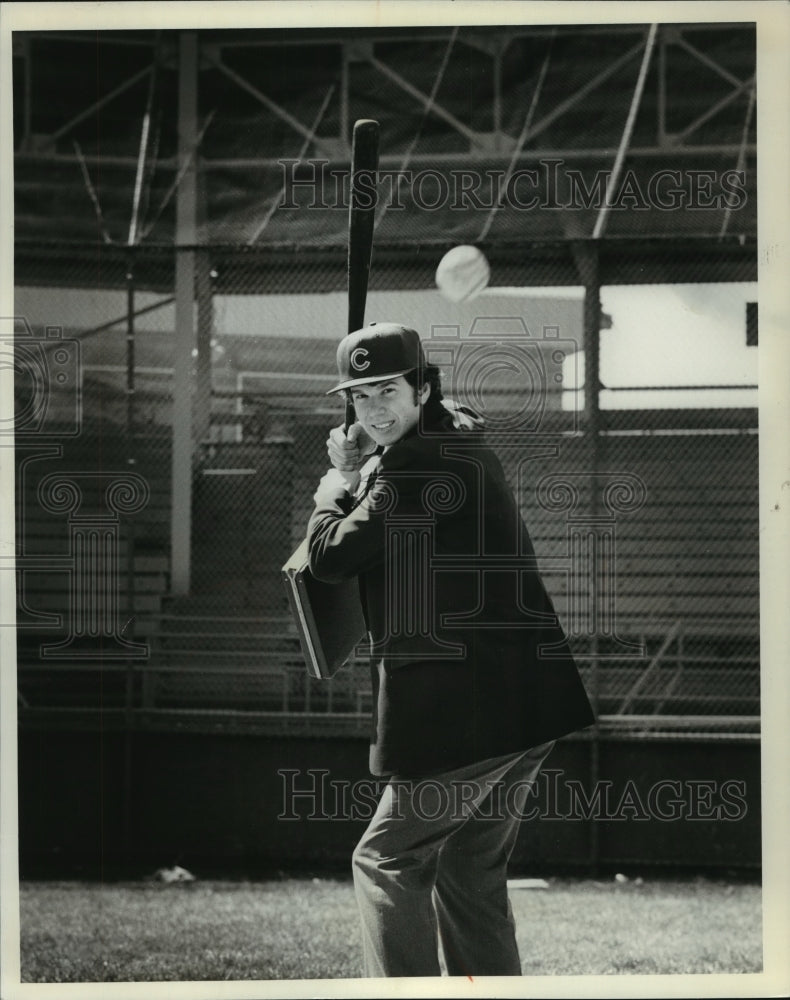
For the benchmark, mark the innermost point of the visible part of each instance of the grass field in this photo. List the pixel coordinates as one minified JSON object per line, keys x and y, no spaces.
{"x":307,"y":929}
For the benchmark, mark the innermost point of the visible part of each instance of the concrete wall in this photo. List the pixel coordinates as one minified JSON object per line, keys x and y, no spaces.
{"x":217,"y":804}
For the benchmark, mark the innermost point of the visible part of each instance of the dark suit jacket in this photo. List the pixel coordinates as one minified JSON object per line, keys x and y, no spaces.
{"x":468,"y":658}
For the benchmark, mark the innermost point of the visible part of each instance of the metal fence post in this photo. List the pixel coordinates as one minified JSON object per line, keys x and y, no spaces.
{"x":186,"y":237}
{"x":587,"y":261}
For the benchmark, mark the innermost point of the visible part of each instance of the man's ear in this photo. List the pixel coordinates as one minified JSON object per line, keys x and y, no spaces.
{"x":425,"y":393}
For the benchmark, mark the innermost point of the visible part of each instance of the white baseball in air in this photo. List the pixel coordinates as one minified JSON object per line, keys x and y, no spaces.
{"x":462,"y":273}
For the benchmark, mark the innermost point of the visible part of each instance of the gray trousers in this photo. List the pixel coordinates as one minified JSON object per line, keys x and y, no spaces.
{"x":430,"y":872}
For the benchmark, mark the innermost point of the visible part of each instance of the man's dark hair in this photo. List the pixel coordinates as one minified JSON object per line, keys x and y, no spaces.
{"x":417,"y":378}
{"x":431,"y":375}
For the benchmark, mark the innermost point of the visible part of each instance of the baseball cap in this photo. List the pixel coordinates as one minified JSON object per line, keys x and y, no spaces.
{"x":377,"y":352}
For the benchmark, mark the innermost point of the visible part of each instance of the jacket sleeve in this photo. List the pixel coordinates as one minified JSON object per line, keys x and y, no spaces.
{"x":343,"y":544}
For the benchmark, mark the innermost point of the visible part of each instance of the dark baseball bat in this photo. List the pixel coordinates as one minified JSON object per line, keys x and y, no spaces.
{"x":361,"y":216}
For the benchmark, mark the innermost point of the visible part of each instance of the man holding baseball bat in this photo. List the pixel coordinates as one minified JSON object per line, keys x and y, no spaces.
{"x":472,"y":677}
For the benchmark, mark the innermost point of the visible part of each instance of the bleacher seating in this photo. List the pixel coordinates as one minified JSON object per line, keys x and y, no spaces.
{"x":683,"y":569}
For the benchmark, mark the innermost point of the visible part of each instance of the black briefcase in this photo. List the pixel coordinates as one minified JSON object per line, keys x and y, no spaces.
{"x":328,"y":616}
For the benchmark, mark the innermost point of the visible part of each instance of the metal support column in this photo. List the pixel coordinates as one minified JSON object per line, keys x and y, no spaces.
{"x":586,"y":257}
{"x":129,"y":679}
{"x":201,"y":419}
{"x":204,"y":298}
{"x":186,"y":332}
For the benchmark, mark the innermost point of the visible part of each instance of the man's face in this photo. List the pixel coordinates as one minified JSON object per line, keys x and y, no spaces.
{"x":388,"y":410}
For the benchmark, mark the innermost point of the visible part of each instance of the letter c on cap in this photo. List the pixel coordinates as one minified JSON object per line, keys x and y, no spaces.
{"x":359,"y":352}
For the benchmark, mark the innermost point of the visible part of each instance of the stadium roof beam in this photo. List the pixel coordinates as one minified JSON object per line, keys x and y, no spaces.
{"x":394,"y":159}
{"x":661,"y":96}
{"x":625,"y":141}
{"x":713,"y":110}
{"x":262,"y":98}
{"x":675,"y":35}
{"x":739,"y":167}
{"x":691,"y":108}
{"x":491,"y":42}
{"x":582,"y":92}
{"x":271,"y":201}
{"x":475,"y":138}
{"x":97,"y":105}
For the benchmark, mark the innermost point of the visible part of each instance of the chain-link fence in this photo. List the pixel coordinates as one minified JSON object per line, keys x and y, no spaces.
{"x":644,"y":517}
